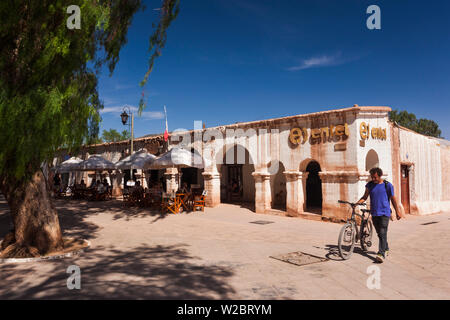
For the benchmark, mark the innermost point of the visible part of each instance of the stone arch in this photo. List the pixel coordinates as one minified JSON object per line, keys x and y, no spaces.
{"x":372,"y":160}
{"x":313,"y":187}
{"x":236,"y":181}
{"x":304,"y":164}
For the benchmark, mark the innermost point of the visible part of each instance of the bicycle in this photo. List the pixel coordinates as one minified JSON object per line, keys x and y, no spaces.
{"x":350,"y":234}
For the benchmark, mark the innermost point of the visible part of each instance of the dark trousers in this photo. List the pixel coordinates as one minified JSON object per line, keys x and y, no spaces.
{"x":381,"y":226}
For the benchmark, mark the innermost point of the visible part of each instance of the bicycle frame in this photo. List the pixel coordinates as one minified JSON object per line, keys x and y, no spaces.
{"x":353,"y":220}
{"x":361,"y":234}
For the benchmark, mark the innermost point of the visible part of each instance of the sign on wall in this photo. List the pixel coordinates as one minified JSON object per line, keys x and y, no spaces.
{"x":301,"y":135}
{"x":365,"y":131}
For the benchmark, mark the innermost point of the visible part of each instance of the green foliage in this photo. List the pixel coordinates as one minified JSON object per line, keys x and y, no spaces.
{"x":48,"y":75}
{"x":112,"y":135}
{"x":409,"y":120}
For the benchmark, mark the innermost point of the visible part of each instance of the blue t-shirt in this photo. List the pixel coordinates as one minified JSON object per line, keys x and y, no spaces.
{"x":379,"y":201}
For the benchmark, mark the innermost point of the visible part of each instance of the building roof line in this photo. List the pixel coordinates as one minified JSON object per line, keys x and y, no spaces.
{"x":355,"y":108}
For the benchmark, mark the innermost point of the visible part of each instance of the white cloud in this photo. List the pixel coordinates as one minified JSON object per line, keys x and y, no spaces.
{"x":320,"y":61}
{"x":117,"y":109}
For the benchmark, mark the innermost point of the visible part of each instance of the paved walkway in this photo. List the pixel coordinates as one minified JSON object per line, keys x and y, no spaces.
{"x":220,"y":254}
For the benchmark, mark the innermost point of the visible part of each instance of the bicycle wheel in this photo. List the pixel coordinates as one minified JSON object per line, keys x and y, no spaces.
{"x":347,"y":239}
{"x":366,"y":234}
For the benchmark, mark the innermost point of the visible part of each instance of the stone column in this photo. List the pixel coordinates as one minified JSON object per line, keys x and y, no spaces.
{"x":212,"y":187}
{"x":171,"y":175}
{"x":263,"y":195}
{"x":294,"y":192}
{"x":116,"y":183}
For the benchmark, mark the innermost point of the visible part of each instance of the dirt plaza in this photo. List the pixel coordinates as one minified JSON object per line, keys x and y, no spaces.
{"x":222,"y":254}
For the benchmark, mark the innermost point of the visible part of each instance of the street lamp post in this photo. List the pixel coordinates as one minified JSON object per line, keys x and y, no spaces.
{"x":125,"y":117}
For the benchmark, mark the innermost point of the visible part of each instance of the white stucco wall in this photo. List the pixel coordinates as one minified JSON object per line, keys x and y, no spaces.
{"x":426,"y":176}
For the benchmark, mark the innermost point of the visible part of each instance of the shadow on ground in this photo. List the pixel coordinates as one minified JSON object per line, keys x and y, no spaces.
{"x":72,"y":215}
{"x":144,"y":272}
{"x":333,"y":253}
{"x":157,"y":272}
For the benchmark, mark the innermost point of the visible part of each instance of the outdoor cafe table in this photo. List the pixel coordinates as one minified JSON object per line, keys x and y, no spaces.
{"x":83,"y":193}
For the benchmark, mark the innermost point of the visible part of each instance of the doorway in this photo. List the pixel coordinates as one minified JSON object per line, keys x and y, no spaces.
{"x":234,"y":183}
{"x":313,"y":188}
{"x":189,"y":176}
{"x":405,"y":187}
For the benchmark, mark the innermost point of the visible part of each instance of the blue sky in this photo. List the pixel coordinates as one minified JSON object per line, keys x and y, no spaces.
{"x":228,"y":61}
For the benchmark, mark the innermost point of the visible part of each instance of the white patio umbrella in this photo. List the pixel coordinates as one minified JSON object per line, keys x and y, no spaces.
{"x":177,"y":158}
{"x":96,"y":163}
{"x":136,"y":161}
{"x":68,"y":165}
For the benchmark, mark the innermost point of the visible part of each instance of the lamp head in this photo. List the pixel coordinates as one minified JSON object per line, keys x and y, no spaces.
{"x":124,"y":117}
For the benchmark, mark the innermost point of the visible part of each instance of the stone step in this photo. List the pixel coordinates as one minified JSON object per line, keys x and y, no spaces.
{"x":311,"y":216}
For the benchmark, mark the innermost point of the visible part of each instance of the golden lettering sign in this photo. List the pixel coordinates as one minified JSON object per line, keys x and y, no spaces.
{"x":297,"y":134}
{"x":376,"y":133}
{"x":300,"y":135}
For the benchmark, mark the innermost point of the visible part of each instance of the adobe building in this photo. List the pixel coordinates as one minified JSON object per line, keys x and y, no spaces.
{"x":302,"y":165}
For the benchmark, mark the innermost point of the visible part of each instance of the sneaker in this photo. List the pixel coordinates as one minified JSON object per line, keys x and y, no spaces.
{"x":386,"y":253}
{"x":380,"y":258}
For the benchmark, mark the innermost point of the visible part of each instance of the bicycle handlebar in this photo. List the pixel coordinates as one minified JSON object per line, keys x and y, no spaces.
{"x":352,"y":204}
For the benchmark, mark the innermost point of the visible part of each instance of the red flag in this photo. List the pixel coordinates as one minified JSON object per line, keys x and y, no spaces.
{"x":166,"y":133}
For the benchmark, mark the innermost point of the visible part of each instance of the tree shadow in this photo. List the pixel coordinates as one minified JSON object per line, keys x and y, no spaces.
{"x":144,"y":272}
{"x":116,"y":207}
{"x":73,"y":214}
{"x":333,"y":253}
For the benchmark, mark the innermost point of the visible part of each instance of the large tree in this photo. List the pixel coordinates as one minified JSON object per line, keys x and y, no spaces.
{"x":49,"y":99}
{"x":410,"y":121}
{"x":112,"y":135}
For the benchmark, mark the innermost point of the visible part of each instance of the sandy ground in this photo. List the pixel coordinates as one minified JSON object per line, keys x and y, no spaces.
{"x":220,"y":254}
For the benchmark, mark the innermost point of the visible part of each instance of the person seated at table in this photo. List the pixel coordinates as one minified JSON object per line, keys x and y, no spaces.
{"x":94,"y":184}
{"x":57,"y":183}
{"x":101,"y":191}
{"x":105,"y":183}
{"x":82,"y":184}
{"x":138,"y":189}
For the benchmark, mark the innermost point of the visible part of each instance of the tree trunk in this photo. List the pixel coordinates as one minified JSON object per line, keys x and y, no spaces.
{"x":36,"y":225}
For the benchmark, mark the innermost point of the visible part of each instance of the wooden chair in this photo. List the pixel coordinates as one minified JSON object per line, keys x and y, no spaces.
{"x":127,"y":201}
{"x":199,"y":201}
{"x":170,"y":204}
{"x":183,"y":201}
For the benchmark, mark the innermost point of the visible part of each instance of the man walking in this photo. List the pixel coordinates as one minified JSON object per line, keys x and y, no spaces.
{"x":381,"y":193}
